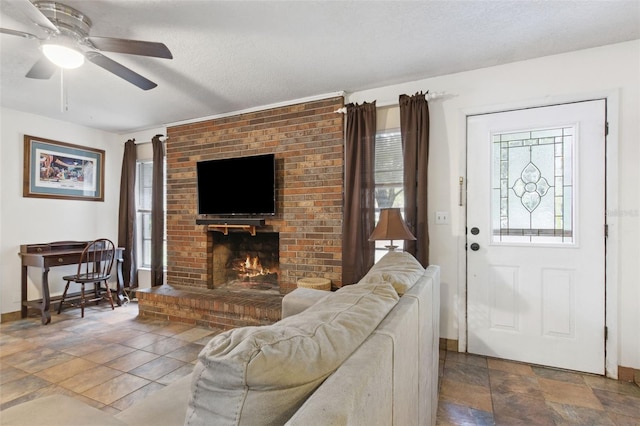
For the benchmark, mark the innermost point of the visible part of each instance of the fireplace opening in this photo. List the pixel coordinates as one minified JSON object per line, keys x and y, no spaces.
{"x":245,"y":262}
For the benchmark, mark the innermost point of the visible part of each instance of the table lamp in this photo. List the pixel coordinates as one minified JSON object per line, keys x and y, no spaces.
{"x":391,"y":227}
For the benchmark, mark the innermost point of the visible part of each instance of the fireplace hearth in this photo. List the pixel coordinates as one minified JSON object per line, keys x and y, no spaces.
{"x":245,"y":261}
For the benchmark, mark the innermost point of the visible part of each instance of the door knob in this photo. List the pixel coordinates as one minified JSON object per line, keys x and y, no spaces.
{"x":475,"y":246}
{"x":475,"y":231}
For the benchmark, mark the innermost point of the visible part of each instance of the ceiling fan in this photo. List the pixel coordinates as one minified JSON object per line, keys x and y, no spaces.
{"x":67,"y":43}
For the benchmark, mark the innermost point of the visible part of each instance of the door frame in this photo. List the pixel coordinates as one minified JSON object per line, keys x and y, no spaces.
{"x":612,"y":98}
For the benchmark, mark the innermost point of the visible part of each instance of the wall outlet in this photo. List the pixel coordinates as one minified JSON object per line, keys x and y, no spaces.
{"x":442,"y":218}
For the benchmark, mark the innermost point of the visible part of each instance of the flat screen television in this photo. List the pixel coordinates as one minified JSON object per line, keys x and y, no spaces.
{"x":237,"y":186}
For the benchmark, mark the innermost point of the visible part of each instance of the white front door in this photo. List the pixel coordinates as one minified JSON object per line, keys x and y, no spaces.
{"x":536,"y":235}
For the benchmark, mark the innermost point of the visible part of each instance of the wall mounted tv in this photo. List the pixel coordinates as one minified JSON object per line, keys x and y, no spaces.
{"x":237,"y":186}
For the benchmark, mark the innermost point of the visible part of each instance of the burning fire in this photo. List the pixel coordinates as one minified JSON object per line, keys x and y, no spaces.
{"x":251,"y":267}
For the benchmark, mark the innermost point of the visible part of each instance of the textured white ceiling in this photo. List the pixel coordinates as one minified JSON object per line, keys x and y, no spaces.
{"x":235,"y":55}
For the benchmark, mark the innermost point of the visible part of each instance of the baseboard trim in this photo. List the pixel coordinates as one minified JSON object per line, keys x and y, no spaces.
{"x":629,"y":374}
{"x":449,"y":345}
{"x":10,"y":316}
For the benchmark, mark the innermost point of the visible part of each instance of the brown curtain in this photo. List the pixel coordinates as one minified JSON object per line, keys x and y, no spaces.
{"x":359,"y":221}
{"x":157,"y":213}
{"x":127,"y":214}
{"x":414,"y":127}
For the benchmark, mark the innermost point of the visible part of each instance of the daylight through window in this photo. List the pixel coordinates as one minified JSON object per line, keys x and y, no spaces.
{"x":388,"y":174}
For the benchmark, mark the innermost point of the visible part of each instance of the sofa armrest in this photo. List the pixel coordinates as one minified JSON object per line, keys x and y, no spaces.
{"x":300,"y":299}
{"x":358,"y":393}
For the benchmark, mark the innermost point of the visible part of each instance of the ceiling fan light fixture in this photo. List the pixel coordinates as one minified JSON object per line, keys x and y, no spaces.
{"x":63,"y":56}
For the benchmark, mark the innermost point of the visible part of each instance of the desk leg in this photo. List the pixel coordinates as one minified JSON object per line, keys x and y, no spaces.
{"x":23,"y":308}
{"x":46,"y":298}
{"x":120,"y":280}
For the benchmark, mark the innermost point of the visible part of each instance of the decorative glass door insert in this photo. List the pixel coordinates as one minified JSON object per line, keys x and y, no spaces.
{"x":532,"y":186}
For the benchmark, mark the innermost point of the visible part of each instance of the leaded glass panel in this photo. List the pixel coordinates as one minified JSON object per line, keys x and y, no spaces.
{"x":532,"y":179}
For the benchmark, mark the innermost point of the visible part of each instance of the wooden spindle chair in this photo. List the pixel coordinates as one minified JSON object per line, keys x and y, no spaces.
{"x":94,"y":268}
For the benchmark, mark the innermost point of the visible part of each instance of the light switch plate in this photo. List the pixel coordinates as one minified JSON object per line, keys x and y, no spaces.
{"x":442,"y":218}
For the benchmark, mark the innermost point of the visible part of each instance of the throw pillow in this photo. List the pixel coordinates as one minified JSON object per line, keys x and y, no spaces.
{"x":399,"y":268}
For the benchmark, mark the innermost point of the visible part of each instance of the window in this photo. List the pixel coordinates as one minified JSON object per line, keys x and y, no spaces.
{"x":388,"y":176}
{"x":144,"y":182}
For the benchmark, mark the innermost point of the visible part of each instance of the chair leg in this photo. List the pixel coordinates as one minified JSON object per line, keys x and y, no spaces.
{"x":96,"y":293}
{"x":64,"y":295}
{"x":106,"y":284}
{"x":82,"y":300}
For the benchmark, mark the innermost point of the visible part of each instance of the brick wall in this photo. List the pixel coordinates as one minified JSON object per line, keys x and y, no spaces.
{"x":307,"y":140}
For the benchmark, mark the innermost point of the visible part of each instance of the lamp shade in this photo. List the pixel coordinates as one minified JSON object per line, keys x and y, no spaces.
{"x":391,"y":226}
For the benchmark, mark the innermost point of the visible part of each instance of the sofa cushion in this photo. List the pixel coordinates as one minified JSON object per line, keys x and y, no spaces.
{"x":399,"y":268}
{"x":262,"y":375}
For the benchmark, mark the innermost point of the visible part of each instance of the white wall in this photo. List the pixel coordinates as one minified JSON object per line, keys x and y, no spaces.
{"x":35,"y":220}
{"x":609,"y":69}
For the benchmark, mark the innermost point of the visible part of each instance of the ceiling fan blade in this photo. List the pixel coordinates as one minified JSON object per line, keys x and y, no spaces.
{"x":33,"y":13}
{"x":42,"y":70}
{"x":120,"y":70}
{"x":132,"y":47}
{"x":17,"y":33}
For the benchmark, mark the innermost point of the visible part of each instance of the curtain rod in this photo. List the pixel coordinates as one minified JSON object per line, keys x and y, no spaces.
{"x":162,"y":139}
{"x":428,"y":96}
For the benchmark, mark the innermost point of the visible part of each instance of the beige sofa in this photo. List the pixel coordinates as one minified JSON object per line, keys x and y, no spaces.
{"x":392,"y":378}
{"x":366,"y":354}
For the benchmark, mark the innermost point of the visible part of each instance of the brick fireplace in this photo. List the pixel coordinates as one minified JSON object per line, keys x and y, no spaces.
{"x":245,"y":260}
{"x":307,"y":140}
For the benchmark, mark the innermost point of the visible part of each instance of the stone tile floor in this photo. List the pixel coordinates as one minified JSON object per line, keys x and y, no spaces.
{"x":476,"y":390}
{"x":110,"y":359}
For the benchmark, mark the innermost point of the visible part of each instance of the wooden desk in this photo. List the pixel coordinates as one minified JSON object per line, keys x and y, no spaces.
{"x":59,"y":253}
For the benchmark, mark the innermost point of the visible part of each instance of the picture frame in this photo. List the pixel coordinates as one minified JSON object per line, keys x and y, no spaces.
{"x":54,"y":169}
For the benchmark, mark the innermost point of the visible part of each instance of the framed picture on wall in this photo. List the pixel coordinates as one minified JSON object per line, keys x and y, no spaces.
{"x":62,"y":170}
